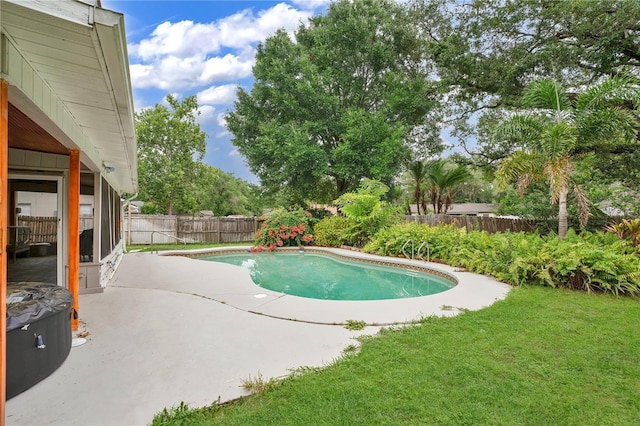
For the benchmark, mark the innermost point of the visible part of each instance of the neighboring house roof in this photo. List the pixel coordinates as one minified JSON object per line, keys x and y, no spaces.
{"x":463,"y":208}
{"x":331,"y":209}
{"x":68,"y":69}
{"x":609,"y":209}
{"x":472,"y":208}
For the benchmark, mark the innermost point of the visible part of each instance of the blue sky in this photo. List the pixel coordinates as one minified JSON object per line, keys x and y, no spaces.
{"x":204,"y":48}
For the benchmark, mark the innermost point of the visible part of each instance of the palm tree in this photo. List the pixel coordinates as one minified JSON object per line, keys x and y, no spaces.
{"x":418,"y":174}
{"x":554,"y":127}
{"x":441,"y":181}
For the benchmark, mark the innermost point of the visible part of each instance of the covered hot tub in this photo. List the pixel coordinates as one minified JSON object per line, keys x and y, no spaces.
{"x":38,"y":332}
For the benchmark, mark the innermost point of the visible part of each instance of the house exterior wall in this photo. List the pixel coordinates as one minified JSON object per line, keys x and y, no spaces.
{"x":84,"y":102}
{"x":36,"y":204}
{"x":94,"y":275}
{"x":46,"y":204}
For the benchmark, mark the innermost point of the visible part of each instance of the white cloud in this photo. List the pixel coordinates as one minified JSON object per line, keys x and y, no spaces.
{"x":218,"y":95}
{"x":184,"y":38}
{"x":207,"y":114}
{"x":188,"y":54}
{"x":140,"y":74}
{"x":222,"y":121}
{"x":226,"y":68}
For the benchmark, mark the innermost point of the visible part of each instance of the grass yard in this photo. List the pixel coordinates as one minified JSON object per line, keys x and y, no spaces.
{"x":541,"y":357}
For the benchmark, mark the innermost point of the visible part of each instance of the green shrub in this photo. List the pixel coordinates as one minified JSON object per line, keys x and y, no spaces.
{"x":150,"y":207}
{"x":440,"y":239}
{"x":590,"y":261}
{"x":582,"y":262}
{"x":331,"y":231}
{"x":366,"y":211}
{"x":283,"y":228}
{"x":493,"y":254}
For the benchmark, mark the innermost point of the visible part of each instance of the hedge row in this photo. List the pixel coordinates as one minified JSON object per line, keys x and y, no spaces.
{"x":597,"y":261}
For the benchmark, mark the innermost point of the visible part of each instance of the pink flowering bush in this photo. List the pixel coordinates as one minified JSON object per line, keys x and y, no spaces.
{"x":283,"y":228}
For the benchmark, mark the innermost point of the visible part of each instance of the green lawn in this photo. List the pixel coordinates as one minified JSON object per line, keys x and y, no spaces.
{"x":541,"y":357}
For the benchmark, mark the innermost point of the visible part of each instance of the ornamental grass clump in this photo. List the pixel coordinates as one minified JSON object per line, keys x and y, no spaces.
{"x":284,"y":228}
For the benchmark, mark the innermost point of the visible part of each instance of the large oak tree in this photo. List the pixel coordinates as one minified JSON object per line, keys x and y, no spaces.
{"x":487,"y":52}
{"x":335,"y":104}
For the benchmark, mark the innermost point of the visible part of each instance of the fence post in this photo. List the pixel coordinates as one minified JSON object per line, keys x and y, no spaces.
{"x":237,"y":230}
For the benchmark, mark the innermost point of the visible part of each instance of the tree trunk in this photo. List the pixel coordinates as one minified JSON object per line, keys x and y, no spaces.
{"x":418,"y":197}
{"x":423,"y":200}
{"x":563,"y":224}
{"x":434,"y":200}
{"x":341,"y":186}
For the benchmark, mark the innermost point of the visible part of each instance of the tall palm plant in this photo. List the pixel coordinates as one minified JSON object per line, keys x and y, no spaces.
{"x":418,"y":174}
{"x":554,"y":127}
{"x":441,"y":181}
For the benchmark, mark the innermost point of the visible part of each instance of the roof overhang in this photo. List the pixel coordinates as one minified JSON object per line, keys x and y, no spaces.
{"x":67,"y":66}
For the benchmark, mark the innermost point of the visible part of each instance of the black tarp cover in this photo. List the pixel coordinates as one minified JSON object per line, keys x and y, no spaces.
{"x":28,"y":302}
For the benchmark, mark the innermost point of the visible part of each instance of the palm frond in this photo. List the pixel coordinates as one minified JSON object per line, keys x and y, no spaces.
{"x":546,"y":94}
{"x":558,"y":173}
{"x":617,"y":88}
{"x":524,"y":181}
{"x":521,"y":127}
{"x":582,"y":201}
{"x":522,"y":168}
{"x":558,"y":140}
{"x":608,"y":125}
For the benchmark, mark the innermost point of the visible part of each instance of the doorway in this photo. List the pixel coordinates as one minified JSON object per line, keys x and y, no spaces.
{"x":35,"y":240}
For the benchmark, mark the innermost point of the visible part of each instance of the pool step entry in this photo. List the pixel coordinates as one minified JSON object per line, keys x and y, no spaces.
{"x":415,"y":254}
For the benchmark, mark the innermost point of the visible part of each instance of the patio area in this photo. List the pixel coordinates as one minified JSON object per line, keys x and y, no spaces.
{"x":171,"y":329}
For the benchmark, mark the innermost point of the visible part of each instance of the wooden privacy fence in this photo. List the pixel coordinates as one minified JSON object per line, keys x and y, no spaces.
{"x":167,"y":229}
{"x":502,"y":224}
{"x":44,"y":229}
{"x":480,"y":223}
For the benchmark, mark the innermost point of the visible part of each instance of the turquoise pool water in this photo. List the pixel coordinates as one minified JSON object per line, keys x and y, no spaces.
{"x":325,"y":277}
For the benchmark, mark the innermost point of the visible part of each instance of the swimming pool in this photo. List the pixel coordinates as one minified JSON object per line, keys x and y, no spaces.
{"x":320,"y":276}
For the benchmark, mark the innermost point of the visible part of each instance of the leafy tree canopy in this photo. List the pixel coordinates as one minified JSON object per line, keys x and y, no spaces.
{"x":487,"y":52}
{"x":336,"y":104}
{"x":170,"y":142}
{"x":172,"y":177}
{"x":224,"y":194}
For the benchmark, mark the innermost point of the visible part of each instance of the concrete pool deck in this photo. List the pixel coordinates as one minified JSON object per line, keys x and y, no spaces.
{"x":169,"y":329}
{"x":472,"y":292}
